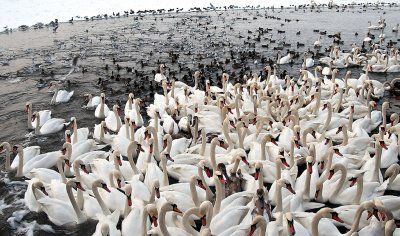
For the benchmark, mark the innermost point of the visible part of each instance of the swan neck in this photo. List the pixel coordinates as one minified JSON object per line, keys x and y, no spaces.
{"x":278,"y":198}
{"x":220,"y":194}
{"x":341,"y":182}
{"x":185,"y":220}
{"x":75,"y":140}
{"x":20,"y":163}
{"x":30,"y":117}
{"x":78,"y":211}
{"x":37,"y":128}
{"x":97,"y":195}
{"x":203,"y":143}
{"x":161,"y":218}
{"x":62,"y":174}
{"x":193,"y":191}
{"x":314,"y":224}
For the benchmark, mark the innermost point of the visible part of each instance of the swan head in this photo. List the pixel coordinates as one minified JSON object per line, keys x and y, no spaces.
{"x":117,"y":157}
{"x":196,"y":74}
{"x":99,"y":183}
{"x":104,"y":229}
{"x":153,"y":213}
{"x":17,"y":149}
{"x":28,"y":106}
{"x":166,"y":156}
{"x":156,"y":187}
{"x":127,"y":191}
{"x":5,"y":146}
{"x":393,"y":118}
{"x":197,"y":180}
{"x":35,"y":116}
{"x":218,"y":176}
{"x":270,"y":138}
{"x":79,"y":164}
{"x":39,"y":185}
{"x":392,"y":170}
{"x":131,"y":97}
{"x":385,"y":105}
{"x":205,"y":167}
{"x":309,"y":161}
{"x":258,"y":168}
{"x":330,"y":213}
{"x":335,"y":167}
{"x":117,"y":109}
{"x":64,"y":159}
{"x":390,"y":227}
{"x":87,"y":96}
{"x":203,"y":210}
{"x":286,"y":184}
{"x":290,"y":223}
{"x":74,"y":184}
{"x":66,"y":148}
{"x":254,"y":224}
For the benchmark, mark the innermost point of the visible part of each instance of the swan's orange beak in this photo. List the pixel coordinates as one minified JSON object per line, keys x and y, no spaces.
{"x":289,"y":187}
{"x":200,"y":184}
{"x":221,"y":179}
{"x":26,"y":108}
{"x":309,"y":168}
{"x":331,"y":173}
{"x":44,"y":191}
{"x":284,"y":162}
{"x":274,"y":142}
{"x":383,"y":145}
{"x":169,"y":157}
{"x":104,"y":186}
{"x":292,"y":231}
{"x":252,"y":230}
{"x":119,"y":183}
{"x":153,"y":220}
{"x":68,"y":138}
{"x":208,"y":172}
{"x":339,"y":129}
{"x":129,"y":200}
{"x":79,"y":186}
{"x":335,"y":216}
{"x":204,"y":220}
{"x":151,"y":148}
{"x":67,"y":163}
{"x":119,"y":161}
{"x":176,"y":209}
{"x":322,"y":164}
{"x":257,"y":174}
{"x":316,"y":193}
{"x":157,"y":190}
{"x":245,"y":161}
{"x":353,"y":181}
{"x":165,"y":143}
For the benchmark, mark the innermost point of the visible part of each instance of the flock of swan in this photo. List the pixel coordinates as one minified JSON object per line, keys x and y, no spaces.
{"x":263,"y":157}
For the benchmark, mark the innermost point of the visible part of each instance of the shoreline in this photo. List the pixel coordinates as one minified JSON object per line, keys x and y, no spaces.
{"x":142,"y":13}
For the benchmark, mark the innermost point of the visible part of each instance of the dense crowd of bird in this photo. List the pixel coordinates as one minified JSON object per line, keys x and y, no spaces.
{"x":258,"y":155}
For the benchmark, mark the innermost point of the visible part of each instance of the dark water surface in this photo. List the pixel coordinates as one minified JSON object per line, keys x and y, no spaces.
{"x":148,"y":39}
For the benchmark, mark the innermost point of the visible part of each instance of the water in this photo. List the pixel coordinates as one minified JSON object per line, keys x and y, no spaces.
{"x":14,"y":13}
{"x":148,"y":40}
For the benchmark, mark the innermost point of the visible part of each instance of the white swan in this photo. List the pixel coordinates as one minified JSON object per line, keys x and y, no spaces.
{"x":113,"y":120}
{"x":45,"y":115}
{"x":60,"y":95}
{"x":70,"y":213}
{"x":102,"y":109}
{"x":52,"y":125}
